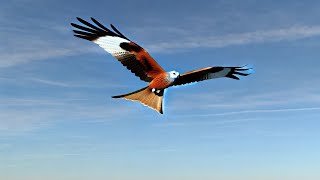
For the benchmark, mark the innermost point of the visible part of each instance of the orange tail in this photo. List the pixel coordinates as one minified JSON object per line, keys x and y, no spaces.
{"x":146,"y":97}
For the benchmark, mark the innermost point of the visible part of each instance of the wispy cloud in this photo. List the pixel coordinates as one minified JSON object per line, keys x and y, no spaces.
{"x":83,"y":84}
{"x":88,"y":83}
{"x":5,"y":146}
{"x":24,"y":56}
{"x":263,"y":36}
{"x":206,"y":123}
{"x":264,"y":111}
{"x":228,"y":117}
{"x":240,"y":100}
{"x":21,"y":50}
{"x":51,"y":82}
{"x":30,"y":45}
{"x":37,"y":39}
{"x":18,"y":115}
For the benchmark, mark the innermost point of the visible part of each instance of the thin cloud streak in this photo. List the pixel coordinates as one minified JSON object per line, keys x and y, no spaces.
{"x":275,"y":35}
{"x":207,"y":123}
{"x":230,"y":121}
{"x":50,"y":82}
{"x":41,"y":52}
{"x":90,"y":83}
{"x":83,"y":84}
{"x":222,"y":101}
{"x":262,"y":111}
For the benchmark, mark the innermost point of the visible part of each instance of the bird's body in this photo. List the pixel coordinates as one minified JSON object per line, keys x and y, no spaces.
{"x":161,"y":81}
{"x":139,"y":62}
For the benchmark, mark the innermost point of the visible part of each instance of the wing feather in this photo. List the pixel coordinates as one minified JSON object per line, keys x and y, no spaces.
{"x":210,"y":73}
{"x":131,"y":55}
{"x":89,"y":24}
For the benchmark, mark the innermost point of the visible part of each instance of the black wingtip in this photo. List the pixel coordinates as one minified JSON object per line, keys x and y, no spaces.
{"x":241,"y":69}
{"x":241,"y":74}
{"x":232,"y":76}
{"x":79,"y":19}
{"x":117,"y":96}
{"x":93,"y":19}
{"x":96,"y":29}
{"x":83,"y":37}
{"x":236,"y":71}
{"x":117,"y":31}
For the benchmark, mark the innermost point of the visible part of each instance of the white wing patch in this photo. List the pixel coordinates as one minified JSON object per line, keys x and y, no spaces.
{"x":219,"y":74}
{"x":112,"y":44}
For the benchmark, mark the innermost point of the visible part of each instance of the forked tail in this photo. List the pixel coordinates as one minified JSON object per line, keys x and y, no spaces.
{"x":146,"y":97}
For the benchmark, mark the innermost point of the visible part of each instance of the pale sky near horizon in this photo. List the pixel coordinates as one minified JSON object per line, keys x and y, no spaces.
{"x":58,"y":120}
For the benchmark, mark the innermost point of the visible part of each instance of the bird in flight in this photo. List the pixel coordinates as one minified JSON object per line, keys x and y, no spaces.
{"x":138,"y":61}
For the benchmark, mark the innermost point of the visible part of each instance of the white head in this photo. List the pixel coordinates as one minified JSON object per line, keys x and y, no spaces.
{"x":173,"y":74}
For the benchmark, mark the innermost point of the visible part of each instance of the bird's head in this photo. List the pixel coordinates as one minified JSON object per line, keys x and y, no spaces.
{"x":174,"y":74}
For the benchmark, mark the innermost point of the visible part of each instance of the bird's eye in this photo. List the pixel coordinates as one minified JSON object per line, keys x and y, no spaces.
{"x":174,"y":73}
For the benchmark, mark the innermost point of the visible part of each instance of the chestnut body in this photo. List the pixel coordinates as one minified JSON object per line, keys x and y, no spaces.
{"x":161,"y":81}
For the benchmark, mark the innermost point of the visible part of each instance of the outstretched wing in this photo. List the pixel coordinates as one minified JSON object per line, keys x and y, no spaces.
{"x":210,"y":73}
{"x":131,"y":55}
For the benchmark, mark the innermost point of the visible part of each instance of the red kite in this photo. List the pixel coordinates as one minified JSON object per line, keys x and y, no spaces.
{"x":138,"y":61}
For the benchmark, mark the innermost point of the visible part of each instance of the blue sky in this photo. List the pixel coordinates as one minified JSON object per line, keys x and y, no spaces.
{"x":58,"y":120}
